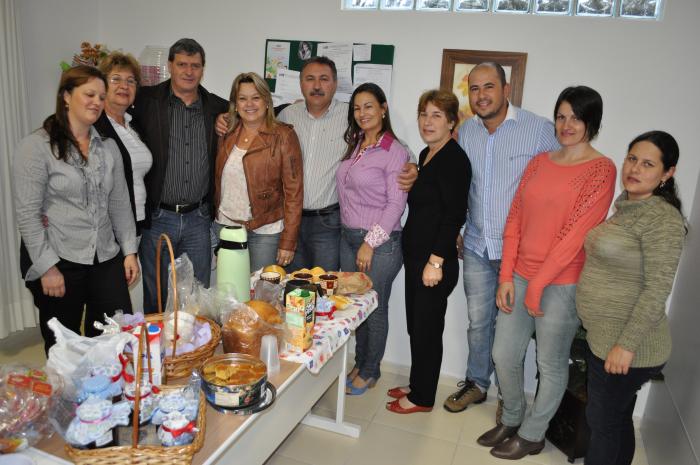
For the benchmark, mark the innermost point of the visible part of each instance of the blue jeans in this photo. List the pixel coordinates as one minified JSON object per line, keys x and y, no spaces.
{"x":609,"y":409}
{"x":189,"y":233}
{"x":318,"y":243}
{"x":480,"y":284}
{"x":262,"y":248}
{"x":554,"y":331}
{"x":370,"y":336}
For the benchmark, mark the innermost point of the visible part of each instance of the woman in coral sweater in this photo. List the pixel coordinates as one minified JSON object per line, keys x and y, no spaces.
{"x":561,"y":196}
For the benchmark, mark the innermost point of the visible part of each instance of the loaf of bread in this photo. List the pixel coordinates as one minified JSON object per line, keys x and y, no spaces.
{"x":247,"y":324}
{"x":266,"y":311}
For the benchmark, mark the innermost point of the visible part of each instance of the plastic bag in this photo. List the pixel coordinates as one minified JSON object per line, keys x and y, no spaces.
{"x":243,"y":329}
{"x":188,"y":292}
{"x":26,"y":396}
{"x":269,"y":292}
{"x":73,"y":357}
{"x":187,"y":287}
{"x":353,"y":282}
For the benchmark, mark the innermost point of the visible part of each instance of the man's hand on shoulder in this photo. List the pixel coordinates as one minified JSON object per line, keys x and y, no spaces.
{"x":407,"y":177}
{"x":222,"y":124}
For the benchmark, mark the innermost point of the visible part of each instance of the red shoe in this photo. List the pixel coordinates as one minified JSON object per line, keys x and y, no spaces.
{"x":395,"y":407}
{"x":396,"y":393}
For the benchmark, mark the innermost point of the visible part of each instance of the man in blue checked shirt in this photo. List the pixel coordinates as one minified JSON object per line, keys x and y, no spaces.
{"x":500,"y":140}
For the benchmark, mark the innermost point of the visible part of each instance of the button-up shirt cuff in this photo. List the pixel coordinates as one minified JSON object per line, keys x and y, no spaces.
{"x":129,"y":247}
{"x":376,"y":236}
{"x":41,"y":265}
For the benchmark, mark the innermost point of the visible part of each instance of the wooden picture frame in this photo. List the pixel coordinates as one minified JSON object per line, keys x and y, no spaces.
{"x":456,"y":65}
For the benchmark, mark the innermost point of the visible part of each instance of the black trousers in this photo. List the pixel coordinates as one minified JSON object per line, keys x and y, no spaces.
{"x":425,"y":319}
{"x":609,"y":409}
{"x":100,"y":288}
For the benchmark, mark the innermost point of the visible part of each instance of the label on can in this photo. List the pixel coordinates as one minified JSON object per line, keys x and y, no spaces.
{"x":227,"y":399}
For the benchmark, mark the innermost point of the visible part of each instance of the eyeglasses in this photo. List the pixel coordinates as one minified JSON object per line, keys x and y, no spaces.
{"x":118,"y":80}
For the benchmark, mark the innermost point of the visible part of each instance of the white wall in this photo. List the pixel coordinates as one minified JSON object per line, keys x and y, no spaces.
{"x":646,"y":71}
{"x":672,"y":417}
{"x":51,"y":33}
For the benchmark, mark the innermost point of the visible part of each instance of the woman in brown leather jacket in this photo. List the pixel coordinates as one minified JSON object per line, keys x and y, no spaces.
{"x":259,"y":182}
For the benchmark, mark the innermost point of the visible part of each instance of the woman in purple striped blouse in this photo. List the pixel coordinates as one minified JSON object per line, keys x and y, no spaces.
{"x":371,"y":205}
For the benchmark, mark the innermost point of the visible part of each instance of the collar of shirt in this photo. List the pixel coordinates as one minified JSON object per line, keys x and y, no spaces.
{"x":94,"y":134}
{"x":511,"y":114}
{"x":384,"y":142}
{"x":95,"y":140}
{"x":127,"y":119}
{"x":174,"y":99}
{"x":329,"y":110}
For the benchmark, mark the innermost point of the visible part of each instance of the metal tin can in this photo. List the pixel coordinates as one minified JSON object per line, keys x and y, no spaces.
{"x":233,"y":396}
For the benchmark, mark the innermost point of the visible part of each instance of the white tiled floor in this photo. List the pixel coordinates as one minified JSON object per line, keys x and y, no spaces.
{"x":435,"y":438}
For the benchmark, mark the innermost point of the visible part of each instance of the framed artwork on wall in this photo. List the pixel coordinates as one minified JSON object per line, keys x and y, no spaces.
{"x":456,"y":65}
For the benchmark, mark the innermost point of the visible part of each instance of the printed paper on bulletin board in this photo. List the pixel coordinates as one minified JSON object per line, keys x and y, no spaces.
{"x":356,"y":63}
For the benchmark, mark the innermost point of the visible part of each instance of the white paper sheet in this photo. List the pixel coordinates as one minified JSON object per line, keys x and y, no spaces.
{"x":341,"y":54}
{"x":362,"y":52}
{"x":378,"y":74}
{"x":277,"y":58}
{"x":287,"y":89}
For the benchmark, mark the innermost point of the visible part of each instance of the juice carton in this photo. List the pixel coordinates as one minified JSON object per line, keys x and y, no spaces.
{"x":299,"y":308}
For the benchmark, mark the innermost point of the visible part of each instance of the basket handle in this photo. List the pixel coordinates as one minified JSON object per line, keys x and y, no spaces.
{"x":165,"y":237}
{"x":137,"y":389}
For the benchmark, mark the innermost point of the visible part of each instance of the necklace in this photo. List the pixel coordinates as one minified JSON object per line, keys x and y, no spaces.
{"x":247,"y":137}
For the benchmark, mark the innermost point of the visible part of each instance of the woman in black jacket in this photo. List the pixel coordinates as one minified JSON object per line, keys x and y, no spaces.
{"x":437,"y":209}
{"x":123,"y":77}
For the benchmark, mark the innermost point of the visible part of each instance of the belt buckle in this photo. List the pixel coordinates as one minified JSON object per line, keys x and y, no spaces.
{"x":178,"y":206}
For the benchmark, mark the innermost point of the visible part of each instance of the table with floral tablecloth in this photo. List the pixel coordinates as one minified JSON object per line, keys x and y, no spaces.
{"x":331,"y":334}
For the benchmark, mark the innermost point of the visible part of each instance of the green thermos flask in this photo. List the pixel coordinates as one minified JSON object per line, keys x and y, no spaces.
{"x":233,"y":262}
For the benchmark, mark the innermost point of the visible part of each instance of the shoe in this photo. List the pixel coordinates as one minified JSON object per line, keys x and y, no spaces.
{"x":352,"y":375}
{"x":396,"y":392}
{"x":515,"y":448}
{"x":469,"y":393}
{"x":395,"y":407}
{"x":358,"y":391}
{"x":497,"y":435}
{"x":499,"y":411}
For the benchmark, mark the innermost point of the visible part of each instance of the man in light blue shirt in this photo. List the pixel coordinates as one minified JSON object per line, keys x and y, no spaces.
{"x":500,"y":140}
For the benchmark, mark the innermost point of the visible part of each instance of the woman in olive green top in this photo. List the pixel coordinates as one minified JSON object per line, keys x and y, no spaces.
{"x":631,"y":260}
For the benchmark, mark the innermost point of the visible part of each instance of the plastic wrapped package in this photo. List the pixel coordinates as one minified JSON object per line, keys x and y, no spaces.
{"x":245,"y":325}
{"x":353,"y":282}
{"x":193,"y":300}
{"x":74,"y":357}
{"x":269,"y":292}
{"x":26,"y":396}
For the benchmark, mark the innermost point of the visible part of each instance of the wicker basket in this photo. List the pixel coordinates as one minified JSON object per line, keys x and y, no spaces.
{"x":144,"y":454}
{"x":181,"y":366}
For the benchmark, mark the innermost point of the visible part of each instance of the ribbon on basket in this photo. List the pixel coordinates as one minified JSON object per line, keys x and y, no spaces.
{"x":188,"y":428}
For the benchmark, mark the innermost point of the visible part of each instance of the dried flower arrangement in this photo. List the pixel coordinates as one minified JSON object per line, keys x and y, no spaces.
{"x":89,"y":55}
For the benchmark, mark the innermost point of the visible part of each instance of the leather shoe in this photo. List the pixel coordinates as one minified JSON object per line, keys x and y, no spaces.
{"x":497,"y":435}
{"x":395,"y":407}
{"x":396,"y":393}
{"x":515,"y":448}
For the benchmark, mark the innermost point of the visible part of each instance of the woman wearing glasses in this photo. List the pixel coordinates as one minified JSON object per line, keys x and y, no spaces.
{"x":123,"y":77}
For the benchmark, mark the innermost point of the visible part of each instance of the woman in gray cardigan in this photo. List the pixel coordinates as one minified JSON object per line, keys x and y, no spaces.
{"x":73,"y":211}
{"x":631,"y":260}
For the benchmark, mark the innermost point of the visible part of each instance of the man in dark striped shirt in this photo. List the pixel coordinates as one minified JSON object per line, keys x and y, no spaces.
{"x":176,"y":121}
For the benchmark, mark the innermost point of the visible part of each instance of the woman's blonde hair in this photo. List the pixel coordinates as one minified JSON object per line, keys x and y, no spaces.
{"x":121,"y":60}
{"x":263,"y":90}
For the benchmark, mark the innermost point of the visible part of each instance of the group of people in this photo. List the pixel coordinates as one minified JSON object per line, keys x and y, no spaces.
{"x":325,"y":183}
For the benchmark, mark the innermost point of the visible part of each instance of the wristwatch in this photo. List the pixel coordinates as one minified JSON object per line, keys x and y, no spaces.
{"x":437,"y":266}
